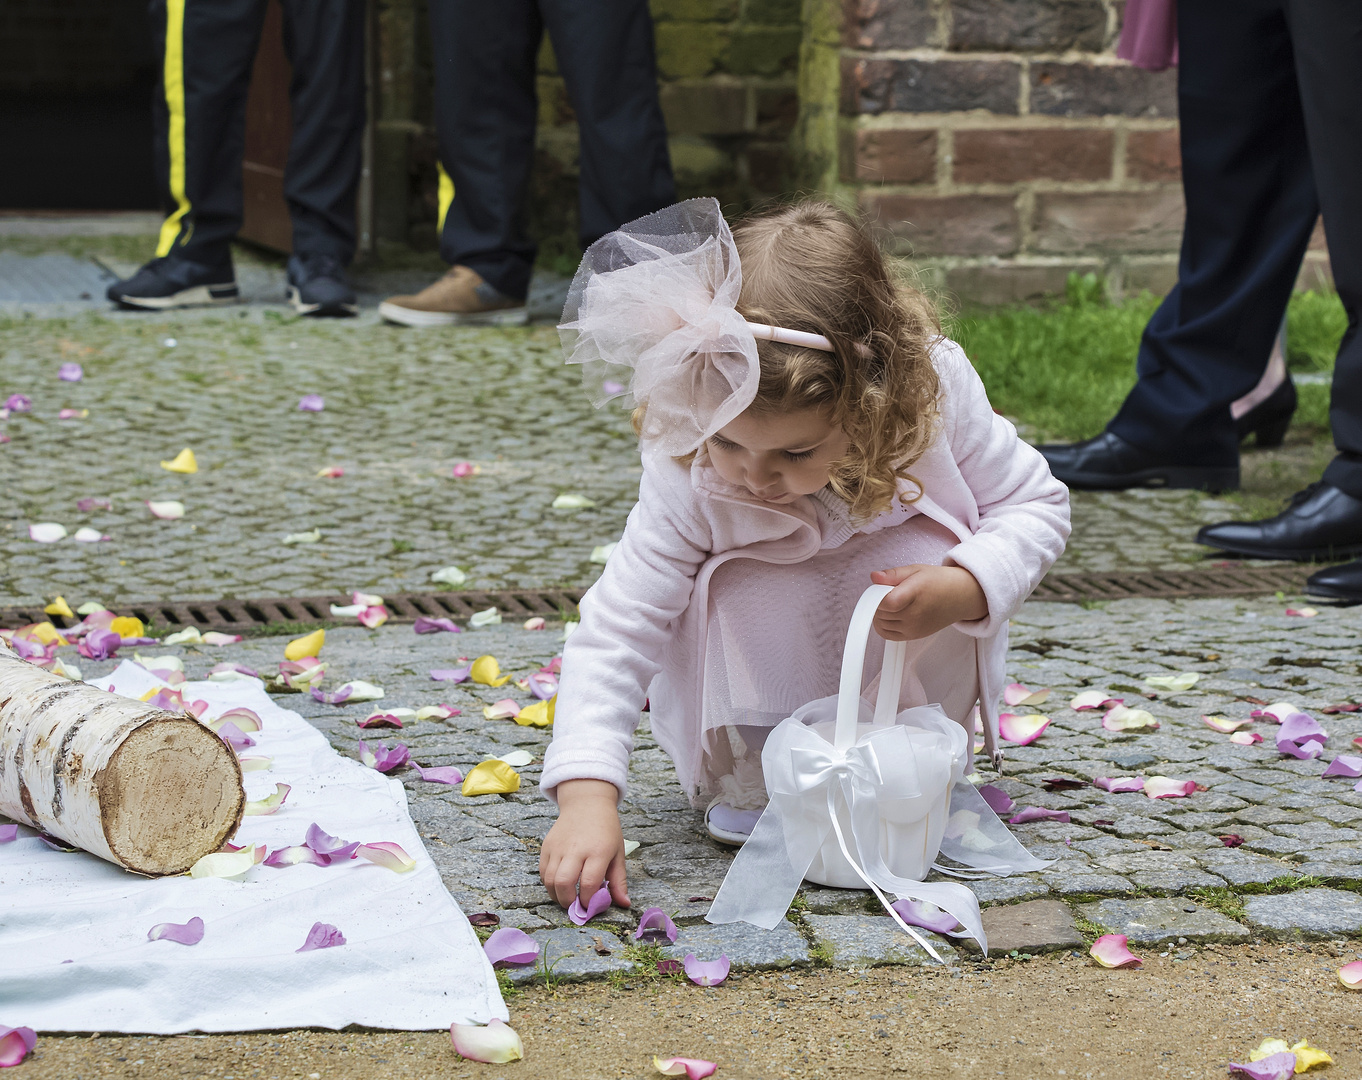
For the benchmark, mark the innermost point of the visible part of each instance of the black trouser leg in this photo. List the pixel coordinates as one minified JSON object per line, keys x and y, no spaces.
{"x":201,"y":120}
{"x":324,"y":41}
{"x":485,"y":113}
{"x":606,"y":54}
{"x":1327,"y":36}
{"x":1251,"y":205}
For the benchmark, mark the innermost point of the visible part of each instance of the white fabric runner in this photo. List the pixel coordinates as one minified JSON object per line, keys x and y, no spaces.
{"x":411,"y":960}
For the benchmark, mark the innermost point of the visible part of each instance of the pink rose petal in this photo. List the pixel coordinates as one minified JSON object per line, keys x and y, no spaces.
{"x":928,"y":916}
{"x":1245,"y":738}
{"x":1231,"y":839}
{"x":496,"y":1042}
{"x":1304,"y":613}
{"x":373,"y":617}
{"x":70,"y":372}
{"x":214,"y":637}
{"x":501,"y":710}
{"x":1301,"y":737}
{"x":654,"y":927}
{"x":535,"y":622}
{"x":233,"y":736}
{"x":244,"y":718}
{"x":321,"y":936}
{"x":1093,"y":699}
{"x":690,"y":1068}
{"x":1038,"y":813}
{"x":542,"y":684}
{"x":1344,"y":765}
{"x":706,"y":972}
{"x":1161,"y":787}
{"x":424,"y":625}
{"x":16,"y":1044}
{"x":598,"y":903}
{"x":1223,"y":724}
{"x":388,"y":855}
{"x":439,"y":774}
{"x":1110,"y":951}
{"x":1116,"y":784}
{"x":511,"y":946}
{"x":378,"y":720}
{"x":337,"y":697}
{"x":1022,"y":730}
{"x":1276,"y":712}
{"x":72,"y":414}
{"x":1350,"y":975}
{"x":999,"y":801}
{"x":462,"y":469}
{"x":95,"y":503}
{"x":1015,"y":694}
{"x":1273,"y":1067}
{"x":332,"y":849}
{"x":311,"y":403}
{"x":331,"y":472}
{"x":455,"y":675}
{"x":190,"y":933}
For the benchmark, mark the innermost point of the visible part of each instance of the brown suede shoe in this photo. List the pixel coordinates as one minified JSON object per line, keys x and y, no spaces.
{"x":460,"y":298}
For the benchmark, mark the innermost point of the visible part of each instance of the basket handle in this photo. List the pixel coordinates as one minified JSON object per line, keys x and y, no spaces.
{"x":853,"y":667}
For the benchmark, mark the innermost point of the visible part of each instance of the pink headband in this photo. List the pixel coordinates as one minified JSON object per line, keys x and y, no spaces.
{"x":790,"y":337}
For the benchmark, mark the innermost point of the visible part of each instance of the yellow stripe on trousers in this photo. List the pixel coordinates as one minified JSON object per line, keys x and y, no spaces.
{"x":174,"y":84}
{"x":446,"y":196}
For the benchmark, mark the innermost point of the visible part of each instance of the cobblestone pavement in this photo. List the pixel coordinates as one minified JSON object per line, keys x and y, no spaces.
{"x":402,"y":407}
{"x":1156,"y":870}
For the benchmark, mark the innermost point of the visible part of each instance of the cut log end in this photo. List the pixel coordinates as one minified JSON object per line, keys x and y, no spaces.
{"x":170,"y":794}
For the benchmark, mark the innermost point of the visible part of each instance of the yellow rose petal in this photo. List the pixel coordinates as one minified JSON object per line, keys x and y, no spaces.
{"x":491,"y":778}
{"x":184,"y":462}
{"x":1267,"y":1048}
{"x":44,"y":633}
{"x":59,"y":606}
{"x":128,"y":626}
{"x":1307,"y":1056}
{"x":308,"y":645}
{"x":540,"y":714}
{"x":487,"y":671}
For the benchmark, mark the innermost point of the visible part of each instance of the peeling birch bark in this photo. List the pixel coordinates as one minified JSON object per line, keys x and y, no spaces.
{"x":150,"y":790}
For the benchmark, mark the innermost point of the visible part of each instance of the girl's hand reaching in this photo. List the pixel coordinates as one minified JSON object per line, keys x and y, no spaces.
{"x":585,"y":847}
{"x":926,"y":599}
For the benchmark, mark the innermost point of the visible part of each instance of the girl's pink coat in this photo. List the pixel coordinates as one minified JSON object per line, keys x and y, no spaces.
{"x":643,"y":628}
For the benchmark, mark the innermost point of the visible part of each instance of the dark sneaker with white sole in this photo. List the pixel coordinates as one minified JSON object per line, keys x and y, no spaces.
{"x":175,"y":283}
{"x":317,"y":285}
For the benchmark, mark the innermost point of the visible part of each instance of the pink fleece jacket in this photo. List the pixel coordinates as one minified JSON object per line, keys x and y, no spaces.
{"x":643,"y":623}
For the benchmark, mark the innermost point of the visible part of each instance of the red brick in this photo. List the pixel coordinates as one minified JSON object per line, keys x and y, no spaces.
{"x":1153,"y":155}
{"x":1080,"y":89}
{"x":1003,"y":157}
{"x":936,"y":85}
{"x":889,"y":24}
{"x":891,"y":157}
{"x":954,"y":225}
{"x":1109,"y":221}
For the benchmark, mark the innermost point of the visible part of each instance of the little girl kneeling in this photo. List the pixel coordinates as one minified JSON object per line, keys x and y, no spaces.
{"x":806,"y":431}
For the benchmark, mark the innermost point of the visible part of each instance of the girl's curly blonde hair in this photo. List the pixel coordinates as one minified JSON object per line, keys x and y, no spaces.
{"x":811,"y":266}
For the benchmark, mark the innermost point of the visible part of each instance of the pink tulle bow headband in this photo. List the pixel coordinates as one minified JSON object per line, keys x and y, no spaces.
{"x":652,"y":312}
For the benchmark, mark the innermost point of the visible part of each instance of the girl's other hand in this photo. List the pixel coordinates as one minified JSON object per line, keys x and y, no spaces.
{"x":585,"y":847}
{"x":926,"y":599}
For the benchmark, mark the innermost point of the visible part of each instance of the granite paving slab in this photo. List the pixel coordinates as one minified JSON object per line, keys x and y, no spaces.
{"x":570,"y":955}
{"x":861,"y":941}
{"x":1306,"y":913}
{"x":745,"y":946}
{"x":1033,"y":927}
{"x":1154,"y":922}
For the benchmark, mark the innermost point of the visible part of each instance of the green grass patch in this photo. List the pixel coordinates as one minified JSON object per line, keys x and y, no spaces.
{"x":1226,"y":901}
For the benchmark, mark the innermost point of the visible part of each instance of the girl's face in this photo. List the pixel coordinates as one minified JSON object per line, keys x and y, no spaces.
{"x":778,"y":457}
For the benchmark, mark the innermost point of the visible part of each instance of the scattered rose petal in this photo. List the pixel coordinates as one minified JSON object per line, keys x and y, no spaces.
{"x":539,"y":714}
{"x":1116,"y":784}
{"x":1015,"y":694}
{"x":85,"y":506}
{"x":8,"y":834}
{"x":490,"y":617}
{"x":373,"y":617}
{"x":706,"y":972}
{"x":190,"y":933}
{"x":449,"y":575}
{"x":1307,"y":1056}
{"x":1342,"y":707}
{"x":455,"y":675}
{"x":226,"y":672}
{"x":346,"y":611}
{"x":1280,"y":1066}
{"x":1022,"y":730}
{"x":227,"y":864}
{"x":1223,"y":724}
{"x":70,"y":372}
{"x":359,"y":690}
{"x":631,"y":846}
{"x":518,"y":759}
{"x":234,"y":737}
{"x":1038,"y":813}
{"x":1276,"y":712}
{"x":1301,"y":737}
{"x":669,"y":967}
{"x":510,"y":946}
{"x":1093,"y":699}
{"x":464,"y":468}
{"x":1245,"y":738}
{"x":1161,"y":787}
{"x":388,"y":855}
{"x":47,"y":532}
{"x":188,"y":636}
{"x":1350,"y":975}
{"x":1110,"y":951}
{"x":16,"y":1044}
{"x":18,"y":403}
{"x":99,"y":645}
{"x":601,"y":555}
{"x":690,"y":1068}
{"x":426,"y":625}
{"x":572,"y":502}
{"x":439,"y":774}
{"x":380,"y":719}
{"x":1304,"y":613}
{"x":1121,"y":718}
{"x":169,"y":510}
{"x":500,"y":710}
{"x":599,"y":901}
{"x":1231,"y":839}
{"x":268,"y":805}
{"x":293,"y":856}
{"x":311,"y":403}
{"x":535,"y":623}
{"x":255,"y":763}
{"x":218,"y":639}
{"x":183,"y":462}
{"x":999,"y":801}
{"x":321,"y":936}
{"x":928,"y":916}
{"x":1344,"y":765}
{"x":437,"y":712}
{"x":497,"y":1042}
{"x":491,"y":777}
{"x":542,"y":684}
{"x":311,"y":537}
{"x":655,"y":927}
{"x":1183,"y":680}
{"x":487,"y":671}
{"x":484,"y":919}
{"x":383,"y":759}
{"x":72,"y":414}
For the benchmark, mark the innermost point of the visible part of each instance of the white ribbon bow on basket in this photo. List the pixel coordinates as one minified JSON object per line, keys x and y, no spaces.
{"x":872,"y":806}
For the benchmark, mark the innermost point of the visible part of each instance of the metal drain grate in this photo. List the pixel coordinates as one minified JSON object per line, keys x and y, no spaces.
{"x":239,"y":615}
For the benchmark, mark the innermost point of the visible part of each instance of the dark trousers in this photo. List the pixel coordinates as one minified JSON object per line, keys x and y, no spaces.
{"x":200,"y":113}
{"x":486,"y":53}
{"x":1270,"y":101}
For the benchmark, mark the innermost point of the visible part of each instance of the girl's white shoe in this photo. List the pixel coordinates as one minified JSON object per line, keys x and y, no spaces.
{"x":729,"y":825}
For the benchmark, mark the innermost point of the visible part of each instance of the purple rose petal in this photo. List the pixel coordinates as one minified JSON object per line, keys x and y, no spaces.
{"x":9,"y":833}
{"x":17,"y":1043}
{"x":311,"y":403}
{"x":95,"y":503}
{"x":439,"y":774}
{"x":598,"y":903}
{"x":1345,"y":765}
{"x":654,"y":927}
{"x":292,"y":856}
{"x":1117,"y":784}
{"x":190,"y":933}
{"x":543,"y":684}
{"x":338,"y":697}
{"x":322,"y":936}
{"x":511,"y":946}
{"x":381,"y":758}
{"x":17,"y":403}
{"x":456,"y":675}
{"x":100,"y":644}
{"x":57,"y":844}
{"x":234,"y":737}
{"x":70,"y":372}
{"x":927,"y":916}
{"x":424,"y":625}
{"x":1273,"y":1067}
{"x":1039,"y":813}
{"x":999,"y":801}
{"x":706,"y":972}
{"x":1301,"y":737}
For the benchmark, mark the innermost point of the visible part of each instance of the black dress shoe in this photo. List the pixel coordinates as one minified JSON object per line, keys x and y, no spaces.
{"x":1109,"y":463}
{"x":1337,"y":582}
{"x":1321,"y":522}
{"x":1270,"y":418}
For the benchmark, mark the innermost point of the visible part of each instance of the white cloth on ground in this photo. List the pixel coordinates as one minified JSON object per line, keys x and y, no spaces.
{"x":411,"y":960}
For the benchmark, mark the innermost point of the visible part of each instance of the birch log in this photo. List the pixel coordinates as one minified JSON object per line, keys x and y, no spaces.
{"x":150,"y":790}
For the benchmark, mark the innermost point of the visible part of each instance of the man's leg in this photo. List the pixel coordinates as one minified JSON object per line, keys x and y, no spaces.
{"x":1250,"y":208}
{"x":606,"y":54}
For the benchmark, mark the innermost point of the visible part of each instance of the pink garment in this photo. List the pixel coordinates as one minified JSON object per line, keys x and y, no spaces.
{"x":1149,"y":34}
{"x":645,"y":624}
